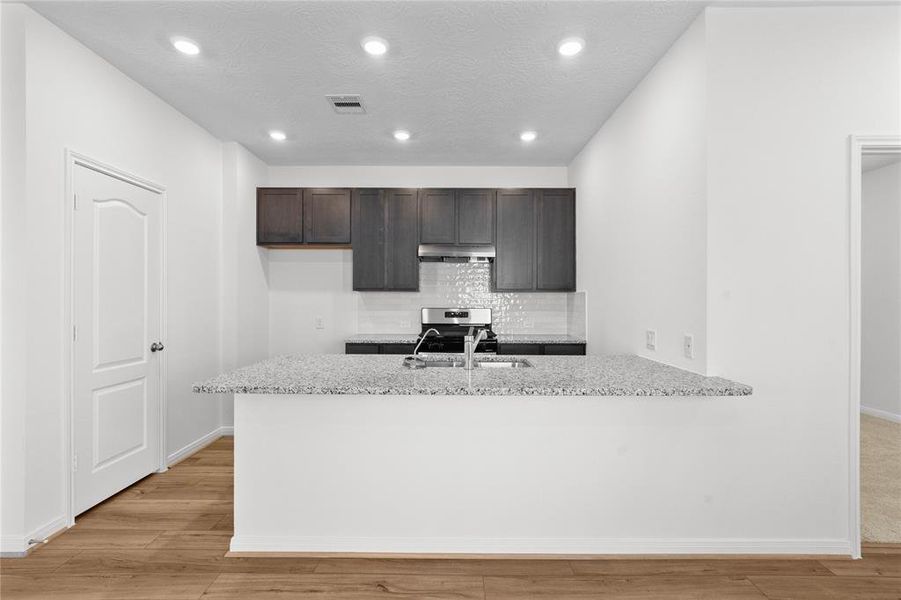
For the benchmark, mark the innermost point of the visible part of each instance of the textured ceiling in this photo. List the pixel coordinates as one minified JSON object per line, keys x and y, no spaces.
{"x":465,"y":78}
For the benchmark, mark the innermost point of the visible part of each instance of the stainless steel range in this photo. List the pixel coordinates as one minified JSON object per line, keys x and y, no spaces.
{"x":445,"y":330}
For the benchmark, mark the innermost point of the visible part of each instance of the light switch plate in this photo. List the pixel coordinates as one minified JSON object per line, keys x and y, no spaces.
{"x":651,"y":339}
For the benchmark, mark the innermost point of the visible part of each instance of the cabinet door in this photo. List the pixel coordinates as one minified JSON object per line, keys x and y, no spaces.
{"x":556,"y":240}
{"x":397,"y":348}
{"x":402,"y":239}
{"x":368,"y":224}
{"x":437,"y":217}
{"x":514,"y":266}
{"x":326,"y":216}
{"x":361,"y":348}
{"x":565,"y":349}
{"x":529,"y":349}
{"x":279,"y":216}
{"x":475,"y":216}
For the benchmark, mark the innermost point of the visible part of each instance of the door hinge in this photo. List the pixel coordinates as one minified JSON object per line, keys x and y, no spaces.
{"x":74,"y":201}
{"x":74,"y":333}
{"x":75,"y":462}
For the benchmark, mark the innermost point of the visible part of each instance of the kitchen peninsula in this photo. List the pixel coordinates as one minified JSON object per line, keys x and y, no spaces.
{"x":357,"y":454}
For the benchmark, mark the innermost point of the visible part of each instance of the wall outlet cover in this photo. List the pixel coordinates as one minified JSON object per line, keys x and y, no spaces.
{"x":651,"y":339}
{"x":688,"y":345}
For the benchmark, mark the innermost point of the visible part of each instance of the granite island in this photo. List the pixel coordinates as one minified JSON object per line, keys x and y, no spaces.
{"x":357,"y":454}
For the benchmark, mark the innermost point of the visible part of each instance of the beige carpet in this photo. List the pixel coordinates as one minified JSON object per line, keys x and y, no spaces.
{"x":880,"y":480}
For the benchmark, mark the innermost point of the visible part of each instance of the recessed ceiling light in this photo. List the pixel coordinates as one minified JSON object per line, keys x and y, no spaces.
{"x":401,"y":136}
{"x":571,"y":46}
{"x":278,"y":136}
{"x":374,"y":45}
{"x":528,"y":136}
{"x":186,"y":46}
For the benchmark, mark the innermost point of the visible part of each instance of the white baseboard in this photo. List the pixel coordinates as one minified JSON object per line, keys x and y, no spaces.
{"x":199,"y":443}
{"x":12,"y":546}
{"x":882,"y":414}
{"x":543,"y":546}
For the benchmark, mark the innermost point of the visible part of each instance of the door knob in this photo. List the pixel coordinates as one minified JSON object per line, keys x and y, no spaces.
{"x":156,"y":346}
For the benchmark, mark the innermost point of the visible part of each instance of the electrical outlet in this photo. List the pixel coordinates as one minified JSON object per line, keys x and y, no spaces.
{"x":405,"y":324}
{"x":650,"y":339}
{"x":320,"y":323}
{"x":688,"y":345}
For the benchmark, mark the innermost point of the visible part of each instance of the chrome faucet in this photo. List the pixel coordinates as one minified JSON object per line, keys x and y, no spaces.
{"x":470,"y":343}
{"x":422,"y":339}
{"x":413,"y":361}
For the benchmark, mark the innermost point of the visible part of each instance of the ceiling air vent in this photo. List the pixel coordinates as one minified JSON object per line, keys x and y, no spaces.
{"x":346,"y":104}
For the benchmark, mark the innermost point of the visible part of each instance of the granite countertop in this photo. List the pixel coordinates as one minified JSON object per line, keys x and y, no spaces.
{"x":383,"y":338}
{"x":508,"y":338}
{"x":622,"y":375}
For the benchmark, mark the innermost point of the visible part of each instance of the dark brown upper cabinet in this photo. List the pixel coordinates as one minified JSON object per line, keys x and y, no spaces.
{"x":438,"y":216}
{"x":385,"y":238}
{"x":475,"y":216}
{"x":402,"y":240}
{"x":514,"y":265}
{"x":279,"y":216}
{"x":368,"y":223}
{"x":461,"y":216}
{"x":555,"y":235}
{"x":326,"y":216}
{"x":536,"y":241}
{"x":533,"y":230}
{"x":299,"y":218}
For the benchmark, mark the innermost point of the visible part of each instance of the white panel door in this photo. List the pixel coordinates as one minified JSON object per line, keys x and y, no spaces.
{"x":117,"y":284}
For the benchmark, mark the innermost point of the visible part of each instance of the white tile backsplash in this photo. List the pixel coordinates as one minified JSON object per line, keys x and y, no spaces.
{"x":576,"y":311}
{"x":469,"y":285}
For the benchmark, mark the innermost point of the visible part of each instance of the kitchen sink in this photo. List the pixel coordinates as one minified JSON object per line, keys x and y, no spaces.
{"x":517,"y":363}
{"x":445,"y":363}
{"x":503,"y":364}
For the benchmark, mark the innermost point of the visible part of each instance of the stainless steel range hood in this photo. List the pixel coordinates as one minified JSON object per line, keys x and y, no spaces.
{"x":451,"y":253}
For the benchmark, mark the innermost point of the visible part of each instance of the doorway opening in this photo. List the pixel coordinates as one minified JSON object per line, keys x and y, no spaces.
{"x":876,"y":338}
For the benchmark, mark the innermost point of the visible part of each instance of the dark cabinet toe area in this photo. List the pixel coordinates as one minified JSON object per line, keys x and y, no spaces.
{"x":541,"y":349}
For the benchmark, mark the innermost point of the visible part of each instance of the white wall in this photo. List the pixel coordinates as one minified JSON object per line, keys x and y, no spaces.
{"x":305,"y":284}
{"x":786,"y":88}
{"x":880,"y":385}
{"x":350,"y":176}
{"x":76,"y":100}
{"x":641,"y":184}
{"x":13,"y":293}
{"x":244,"y":268}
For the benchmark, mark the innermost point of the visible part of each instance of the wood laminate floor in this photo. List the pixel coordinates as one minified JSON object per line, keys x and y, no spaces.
{"x":165,"y":538}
